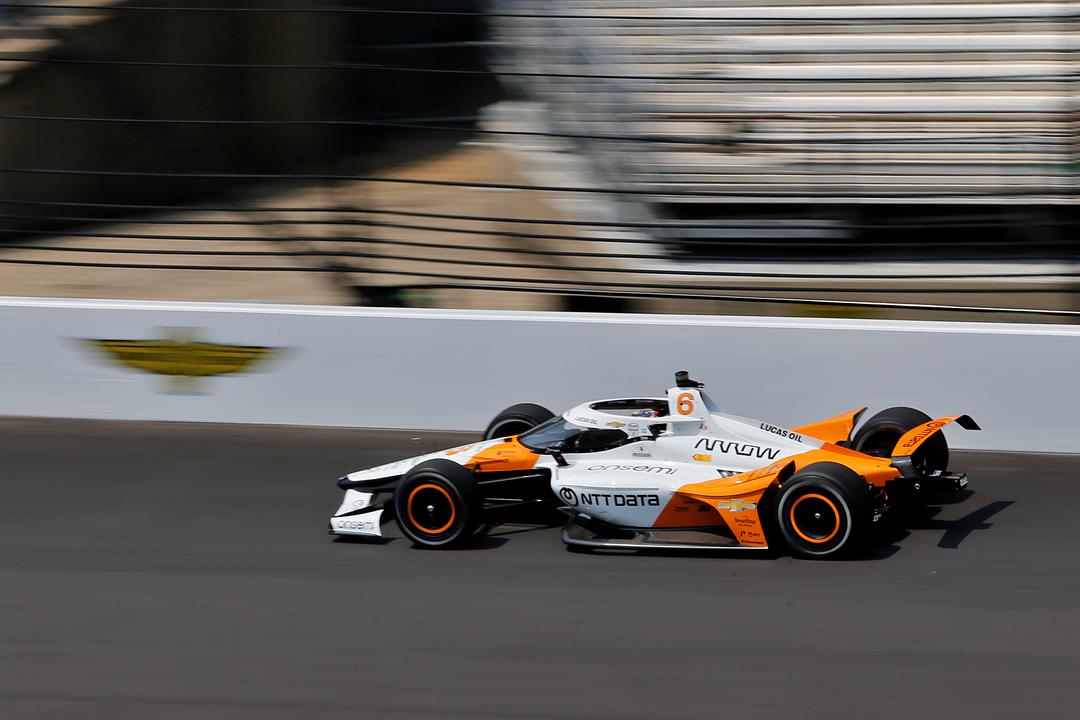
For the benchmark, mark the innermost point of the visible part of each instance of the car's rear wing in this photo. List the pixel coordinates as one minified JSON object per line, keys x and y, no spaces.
{"x":914,"y":438}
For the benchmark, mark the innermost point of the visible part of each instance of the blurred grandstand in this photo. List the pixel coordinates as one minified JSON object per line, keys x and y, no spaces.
{"x":837,"y":120}
{"x":750,"y":156}
{"x":25,"y":29}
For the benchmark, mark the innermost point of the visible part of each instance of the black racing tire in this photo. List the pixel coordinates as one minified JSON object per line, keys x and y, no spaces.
{"x":438,"y":505}
{"x":516,"y":419}
{"x":824,"y":511}
{"x":878,"y":437}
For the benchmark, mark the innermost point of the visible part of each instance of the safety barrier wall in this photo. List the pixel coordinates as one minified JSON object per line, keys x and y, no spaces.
{"x":446,"y":369}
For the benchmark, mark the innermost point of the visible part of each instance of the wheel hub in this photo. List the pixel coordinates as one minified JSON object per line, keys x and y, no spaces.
{"x":815,"y":518}
{"x":431,"y":509}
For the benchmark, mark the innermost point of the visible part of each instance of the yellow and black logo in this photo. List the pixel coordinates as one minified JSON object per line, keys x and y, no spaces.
{"x":736,"y":505}
{"x":182,"y":358}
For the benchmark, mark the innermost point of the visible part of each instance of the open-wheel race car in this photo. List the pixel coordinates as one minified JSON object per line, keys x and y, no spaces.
{"x":663,"y":473}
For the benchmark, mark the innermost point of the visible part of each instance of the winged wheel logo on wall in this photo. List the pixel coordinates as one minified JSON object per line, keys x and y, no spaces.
{"x":182,"y":358}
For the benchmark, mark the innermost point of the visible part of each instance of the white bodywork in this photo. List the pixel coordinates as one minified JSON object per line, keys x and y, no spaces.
{"x":346,"y":523}
{"x":628,"y":485}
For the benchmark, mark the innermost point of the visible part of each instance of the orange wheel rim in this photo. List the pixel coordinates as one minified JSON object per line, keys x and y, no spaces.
{"x":795,"y":524}
{"x":442,"y":491}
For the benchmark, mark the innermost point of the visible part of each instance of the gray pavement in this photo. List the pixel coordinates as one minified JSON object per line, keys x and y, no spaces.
{"x":183,"y":571}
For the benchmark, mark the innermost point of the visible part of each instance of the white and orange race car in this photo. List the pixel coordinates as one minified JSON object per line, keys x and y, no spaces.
{"x":662,"y":473}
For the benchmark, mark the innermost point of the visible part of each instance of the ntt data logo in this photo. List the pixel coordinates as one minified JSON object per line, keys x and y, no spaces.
{"x":569,"y":496}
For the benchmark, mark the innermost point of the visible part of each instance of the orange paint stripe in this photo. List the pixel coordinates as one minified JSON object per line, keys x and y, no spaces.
{"x":833,"y":430}
{"x":509,"y":455}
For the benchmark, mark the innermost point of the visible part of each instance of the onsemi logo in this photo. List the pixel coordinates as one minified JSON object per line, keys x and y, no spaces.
{"x":658,"y":469}
{"x":182,"y":358}
{"x":368,"y":526}
{"x":744,"y":449}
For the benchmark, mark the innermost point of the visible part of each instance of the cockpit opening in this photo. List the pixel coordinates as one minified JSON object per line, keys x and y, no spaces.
{"x":570,"y":438}
{"x":640,"y":407}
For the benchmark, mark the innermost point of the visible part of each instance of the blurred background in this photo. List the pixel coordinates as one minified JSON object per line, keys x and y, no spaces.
{"x":783,"y":157}
{"x":912,"y":159}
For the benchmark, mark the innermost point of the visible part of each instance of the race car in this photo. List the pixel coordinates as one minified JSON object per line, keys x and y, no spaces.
{"x":660,"y":473}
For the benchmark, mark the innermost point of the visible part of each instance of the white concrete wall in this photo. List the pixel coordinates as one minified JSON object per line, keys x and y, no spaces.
{"x":440,"y":369}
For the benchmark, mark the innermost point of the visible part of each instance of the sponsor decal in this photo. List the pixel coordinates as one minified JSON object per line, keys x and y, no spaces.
{"x":702,"y":457}
{"x":929,"y":429}
{"x":615,"y":424}
{"x":658,"y":469}
{"x":762,"y":472}
{"x":359,"y":525}
{"x":633,"y":429}
{"x":682,"y":503}
{"x":599,"y":499}
{"x":463,"y":448}
{"x":744,"y":449}
{"x":744,"y":521}
{"x":619,"y":500}
{"x":736,"y":505}
{"x":586,"y":420}
{"x":782,"y":432}
{"x":751,"y":537}
{"x":569,"y":497}
{"x":182,"y":358}
{"x":642,"y":454}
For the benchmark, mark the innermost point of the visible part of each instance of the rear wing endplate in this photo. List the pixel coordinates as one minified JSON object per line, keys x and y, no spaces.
{"x":914,"y":438}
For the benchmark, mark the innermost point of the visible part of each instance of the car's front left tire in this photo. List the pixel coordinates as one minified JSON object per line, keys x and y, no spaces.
{"x":438,"y":505}
{"x":824,"y":510}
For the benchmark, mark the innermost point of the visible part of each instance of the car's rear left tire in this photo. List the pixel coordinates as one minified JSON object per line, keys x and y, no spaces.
{"x":824,"y":510}
{"x":438,"y":505}
{"x":517,"y":419}
{"x":878,"y":437}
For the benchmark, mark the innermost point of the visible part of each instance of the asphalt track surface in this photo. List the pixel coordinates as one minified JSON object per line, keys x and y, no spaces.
{"x":183,"y":571}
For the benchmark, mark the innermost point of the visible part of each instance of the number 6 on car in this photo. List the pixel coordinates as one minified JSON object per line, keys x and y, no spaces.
{"x":668,"y":472}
